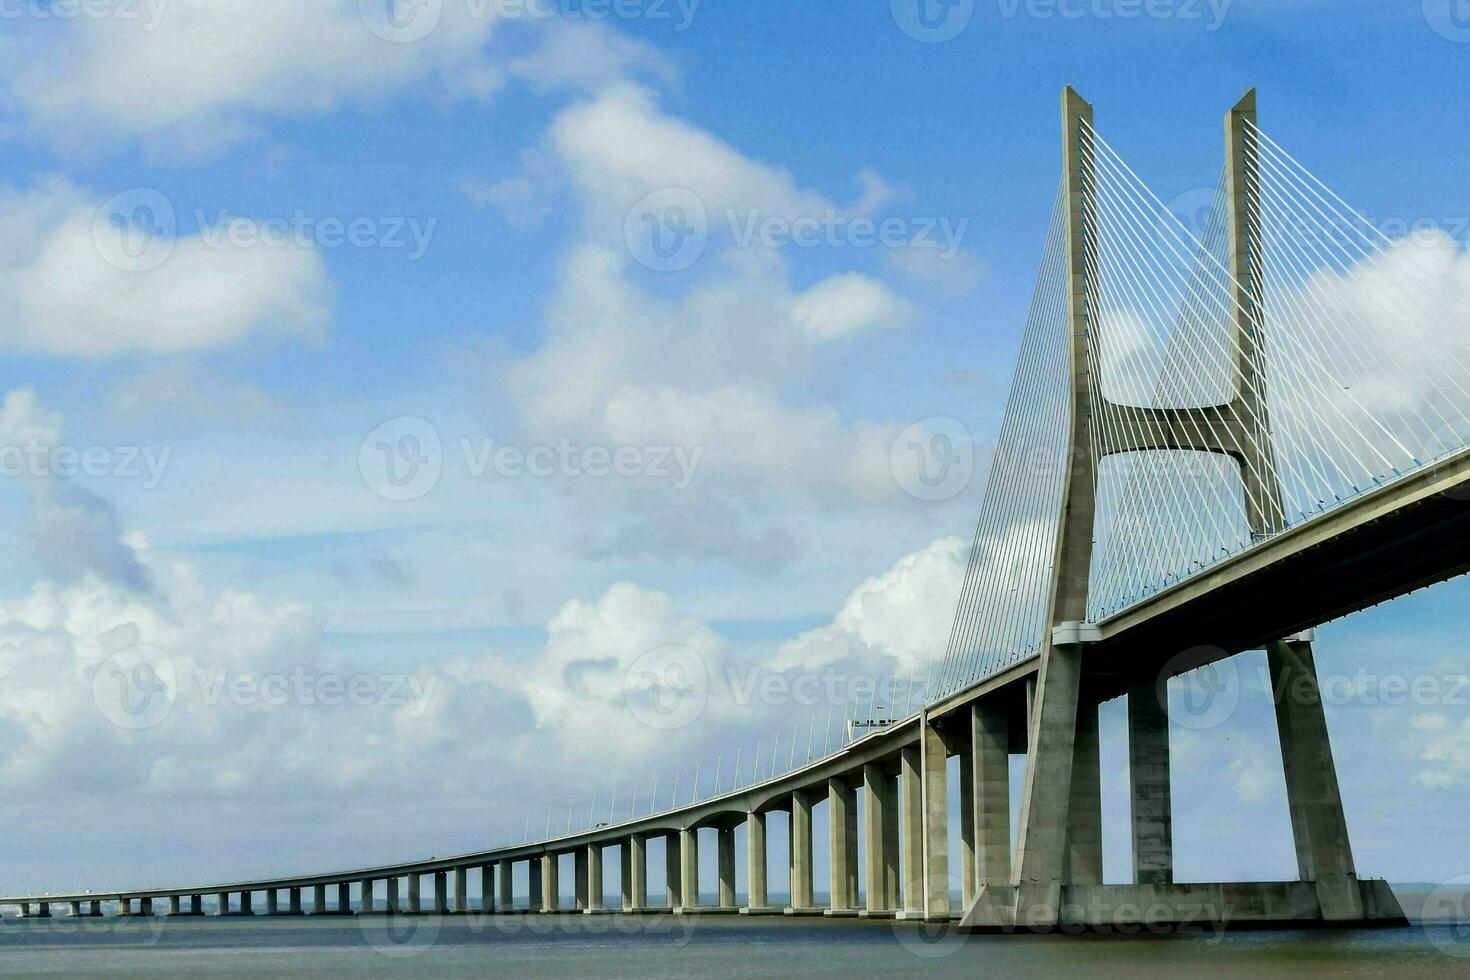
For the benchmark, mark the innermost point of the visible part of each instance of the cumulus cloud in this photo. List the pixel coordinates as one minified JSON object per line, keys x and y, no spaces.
{"x":71,"y":285}
{"x":199,"y":75}
{"x":902,"y":616}
{"x":723,"y":359}
{"x":74,"y":532}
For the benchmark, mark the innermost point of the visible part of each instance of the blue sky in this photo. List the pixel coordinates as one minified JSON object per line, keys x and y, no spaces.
{"x":517,"y":150}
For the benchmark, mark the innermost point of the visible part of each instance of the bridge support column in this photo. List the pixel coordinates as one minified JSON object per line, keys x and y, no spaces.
{"x":272,"y":902}
{"x":366,"y":903}
{"x":76,"y":910}
{"x":1323,"y":852}
{"x":594,"y":877}
{"x":581,"y":870}
{"x":800,"y":853}
{"x":391,"y":894}
{"x":1149,"y":779}
{"x":880,"y":840}
{"x":415,"y":900}
{"x":222,"y":903}
{"x":247,"y":903}
{"x":912,"y":802}
{"x":441,"y":892}
{"x":842,"y":824}
{"x":635,"y":873}
{"x":727,"y":867}
{"x":344,"y":898}
{"x":319,"y":900}
{"x":174,"y":907}
{"x":689,"y":869}
{"x":1084,"y":810}
{"x":95,"y":908}
{"x":935,"y":795}
{"x":756,"y":900}
{"x":293,"y":899}
{"x":1042,"y":846}
{"x":990,"y":775}
{"x":673,"y":871}
{"x":550,"y":882}
{"x":504,"y":894}
{"x":461,"y":888}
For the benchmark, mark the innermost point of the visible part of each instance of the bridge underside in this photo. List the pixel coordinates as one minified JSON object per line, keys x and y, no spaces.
{"x":1349,"y":563}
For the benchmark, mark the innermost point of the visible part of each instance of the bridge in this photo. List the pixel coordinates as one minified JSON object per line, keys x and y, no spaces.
{"x":1214,"y":443}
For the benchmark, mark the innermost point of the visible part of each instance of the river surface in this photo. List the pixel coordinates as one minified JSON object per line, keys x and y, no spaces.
{"x":691,"y":948}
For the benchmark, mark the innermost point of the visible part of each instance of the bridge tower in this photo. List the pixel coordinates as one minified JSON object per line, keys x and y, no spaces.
{"x":1056,"y":874}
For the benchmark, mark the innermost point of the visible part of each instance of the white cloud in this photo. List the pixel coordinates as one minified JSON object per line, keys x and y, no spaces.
{"x":63,"y":292}
{"x":74,"y":532}
{"x":206,"y":72}
{"x":903,"y":614}
{"x":848,"y":304}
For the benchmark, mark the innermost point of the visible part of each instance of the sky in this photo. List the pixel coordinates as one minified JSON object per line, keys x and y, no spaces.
{"x":348,"y":400}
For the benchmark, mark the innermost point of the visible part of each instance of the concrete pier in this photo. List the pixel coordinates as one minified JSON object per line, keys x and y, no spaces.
{"x":757,"y":899}
{"x":461,"y":889}
{"x":726,"y":863}
{"x":581,"y":883}
{"x":594,"y":877}
{"x":1324,"y":853}
{"x":415,"y":898}
{"x":1149,"y":782}
{"x":505,"y":891}
{"x":880,"y":840}
{"x":293,"y":898}
{"x":533,"y":884}
{"x":799,"y":856}
{"x":441,"y":892}
{"x":319,"y":900}
{"x":842,"y":855}
{"x":990,"y":724}
{"x":222,"y":903}
{"x":635,"y":873}
{"x":173,"y":904}
{"x":344,"y":898}
{"x":911,"y":802}
{"x":1084,"y":813}
{"x":366,"y":901}
{"x":673,"y":872}
{"x":550,"y":883}
{"x":689,"y":869}
{"x":933,"y":758}
{"x":392,"y":895}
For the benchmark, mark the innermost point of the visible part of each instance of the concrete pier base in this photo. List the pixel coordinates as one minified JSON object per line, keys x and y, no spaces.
{"x":1176,"y":907}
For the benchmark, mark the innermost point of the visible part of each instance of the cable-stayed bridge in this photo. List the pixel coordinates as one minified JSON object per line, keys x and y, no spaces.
{"x":1214,"y":443}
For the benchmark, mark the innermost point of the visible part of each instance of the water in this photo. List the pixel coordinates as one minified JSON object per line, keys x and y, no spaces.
{"x":706,"y":948}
